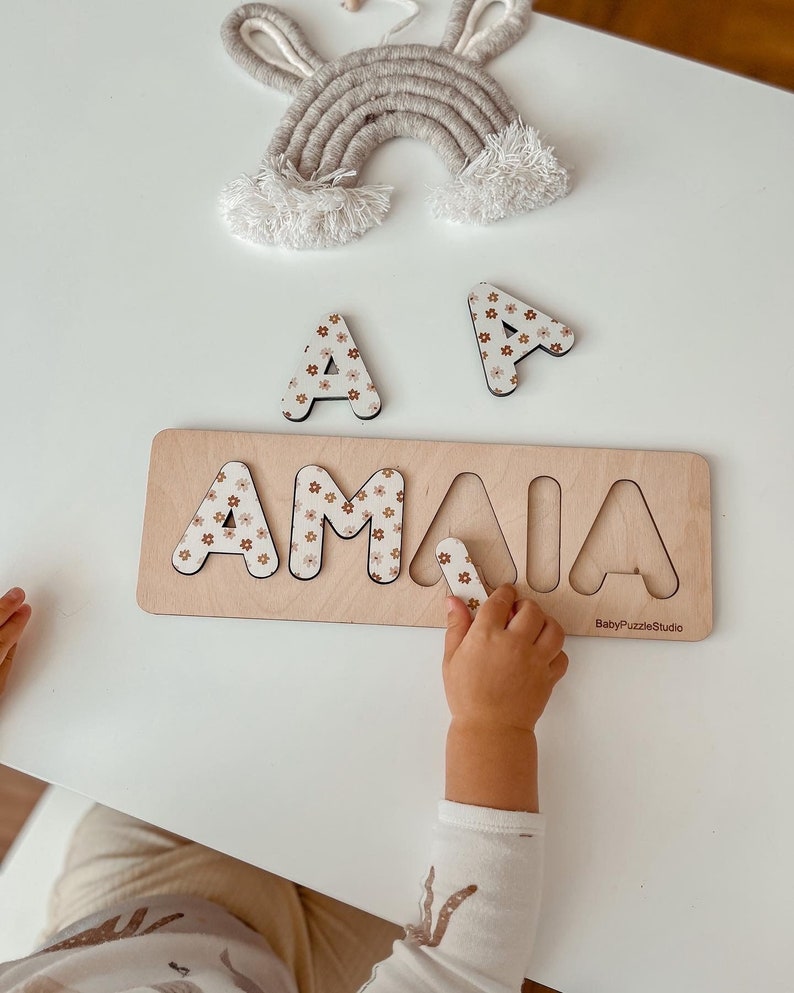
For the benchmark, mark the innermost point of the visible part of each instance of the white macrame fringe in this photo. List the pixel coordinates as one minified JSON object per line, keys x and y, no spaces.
{"x":279,"y":207}
{"x":513,"y":174}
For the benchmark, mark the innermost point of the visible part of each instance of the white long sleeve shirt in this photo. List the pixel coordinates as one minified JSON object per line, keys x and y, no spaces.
{"x":478,"y":917}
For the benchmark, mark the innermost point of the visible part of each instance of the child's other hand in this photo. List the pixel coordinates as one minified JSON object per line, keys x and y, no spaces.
{"x":499,"y":670}
{"x":14,"y":615}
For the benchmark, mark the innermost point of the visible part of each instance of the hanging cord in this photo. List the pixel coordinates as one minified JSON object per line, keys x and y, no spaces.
{"x":413,"y":12}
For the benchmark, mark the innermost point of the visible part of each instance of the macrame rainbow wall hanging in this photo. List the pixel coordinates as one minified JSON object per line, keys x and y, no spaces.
{"x":305,"y":194}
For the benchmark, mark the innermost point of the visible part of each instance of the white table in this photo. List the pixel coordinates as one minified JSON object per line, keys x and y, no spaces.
{"x":127,"y":308}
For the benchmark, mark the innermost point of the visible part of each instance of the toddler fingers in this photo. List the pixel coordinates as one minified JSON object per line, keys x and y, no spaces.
{"x":5,"y":668}
{"x":10,"y":602}
{"x":527,"y":620}
{"x":11,"y":631}
{"x":495,"y":612}
{"x":458,"y":624}
{"x":550,"y":639}
{"x":558,"y":666}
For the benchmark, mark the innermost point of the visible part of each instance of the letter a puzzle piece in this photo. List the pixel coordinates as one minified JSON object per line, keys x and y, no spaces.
{"x":460,"y":573}
{"x":494,"y":313}
{"x":331,"y":369}
{"x":230,"y":521}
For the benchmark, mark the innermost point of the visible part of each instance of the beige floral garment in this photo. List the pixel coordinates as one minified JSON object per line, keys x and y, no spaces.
{"x":475,"y":931}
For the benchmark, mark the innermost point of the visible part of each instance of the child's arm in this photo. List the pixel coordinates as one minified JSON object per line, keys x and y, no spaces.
{"x":498,"y":674}
{"x":483,"y":891}
{"x":14,"y":615}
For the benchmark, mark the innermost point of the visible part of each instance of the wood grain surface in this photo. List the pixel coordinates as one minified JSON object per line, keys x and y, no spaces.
{"x":633,"y":542}
{"x":19,"y":794}
{"x":751,"y":37}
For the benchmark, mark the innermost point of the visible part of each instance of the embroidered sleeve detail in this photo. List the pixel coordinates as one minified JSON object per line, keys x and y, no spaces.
{"x":108,"y":931}
{"x":422,"y":935}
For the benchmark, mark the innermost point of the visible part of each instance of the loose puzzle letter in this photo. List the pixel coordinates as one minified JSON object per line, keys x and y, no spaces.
{"x":331,"y":369}
{"x":229,"y":521}
{"x":377,"y":504}
{"x":494,"y":313}
{"x":461,"y":573}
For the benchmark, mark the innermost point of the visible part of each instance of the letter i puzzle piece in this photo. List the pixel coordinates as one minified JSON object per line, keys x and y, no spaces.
{"x":461,"y":573}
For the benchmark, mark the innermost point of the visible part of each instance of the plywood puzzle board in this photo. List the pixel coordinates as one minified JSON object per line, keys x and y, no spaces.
{"x":613,"y":543}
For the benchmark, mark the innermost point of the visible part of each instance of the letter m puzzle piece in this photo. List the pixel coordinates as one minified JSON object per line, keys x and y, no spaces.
{"x":378,"y":504}
{"x":507,"y":331}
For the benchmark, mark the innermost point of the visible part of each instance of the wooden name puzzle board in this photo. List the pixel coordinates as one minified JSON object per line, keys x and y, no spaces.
{"x":612,"y":543}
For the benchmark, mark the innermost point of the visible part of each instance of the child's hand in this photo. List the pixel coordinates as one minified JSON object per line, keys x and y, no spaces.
{"x":499,"y":671}
{"x":14,"y":615}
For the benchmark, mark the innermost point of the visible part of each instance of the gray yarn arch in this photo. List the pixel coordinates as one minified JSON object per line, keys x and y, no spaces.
{"x":357,"y":102}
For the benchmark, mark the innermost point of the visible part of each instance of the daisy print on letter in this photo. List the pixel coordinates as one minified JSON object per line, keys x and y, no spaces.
{"x":378,"y":505}
{"x":461,"y":573}
{"x":331,"y":369}
{"x":507,"y":331}
{"x":229,"y":521}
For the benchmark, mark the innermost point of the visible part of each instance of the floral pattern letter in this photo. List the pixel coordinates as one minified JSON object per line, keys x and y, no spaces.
{"x":230,"y":520}
{"x":493,"y":312}
{"x":461,"y":573}
{"x":378,"y":504}
{"x":331,"y":346}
